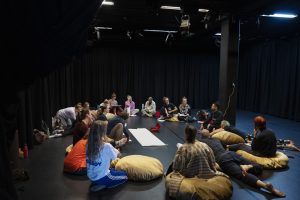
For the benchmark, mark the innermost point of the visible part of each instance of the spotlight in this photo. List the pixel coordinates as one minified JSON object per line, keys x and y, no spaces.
{"x":185,"y":24}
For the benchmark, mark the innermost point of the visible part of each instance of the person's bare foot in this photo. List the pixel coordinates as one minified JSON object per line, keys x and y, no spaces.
{"x":276,"y":192}
{"x":245,"y":168}
{"x":121,"y":142}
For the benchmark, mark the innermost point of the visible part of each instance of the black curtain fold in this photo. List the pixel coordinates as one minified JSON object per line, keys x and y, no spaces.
{"x":136,"y":71}
{"x":269,"y":78}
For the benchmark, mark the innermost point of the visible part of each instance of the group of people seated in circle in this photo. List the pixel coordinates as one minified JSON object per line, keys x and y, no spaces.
{"x":99,"y":134}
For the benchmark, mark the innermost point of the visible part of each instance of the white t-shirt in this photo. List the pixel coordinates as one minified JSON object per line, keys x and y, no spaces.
{"x":100,"y":167}
{"x":67,"y":113}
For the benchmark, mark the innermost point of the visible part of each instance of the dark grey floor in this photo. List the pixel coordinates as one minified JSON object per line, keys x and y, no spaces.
{"x":47,"y":181}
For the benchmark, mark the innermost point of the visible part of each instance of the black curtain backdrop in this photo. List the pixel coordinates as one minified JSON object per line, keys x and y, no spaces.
{"x":37,"y":37}
{"x":269,"y":78}
{"x":135,"y":71}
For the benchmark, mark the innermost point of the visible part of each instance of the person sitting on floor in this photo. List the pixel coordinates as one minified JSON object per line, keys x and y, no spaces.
{"x":67,"y":116}
{"x":98,"y":158}
{"x":236,"y":166}
{"x":113,"y":104}
{"x":86,"y":106}
{"x":150,"y":108}
{"x":225,"y":126}
{"x":214,"y":119}
{"x":264,"y":143}
{"x":194,"y":158}
{"x":82,"y":127}
{"x":102,"y":111}
{"x":129,"y":104}
{"x":184,"y":110}
{"x":168,"y":110}
{"x":116,"y":127}
{"x":75,"y":161}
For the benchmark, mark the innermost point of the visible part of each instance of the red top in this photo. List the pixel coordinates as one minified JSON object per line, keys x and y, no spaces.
{"x":75,"y":160}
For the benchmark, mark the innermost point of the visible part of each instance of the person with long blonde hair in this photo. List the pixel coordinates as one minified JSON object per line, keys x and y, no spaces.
{"x":99,"y":154}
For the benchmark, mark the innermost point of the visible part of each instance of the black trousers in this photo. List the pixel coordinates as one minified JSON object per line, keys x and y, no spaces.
{"x":230,"y":164}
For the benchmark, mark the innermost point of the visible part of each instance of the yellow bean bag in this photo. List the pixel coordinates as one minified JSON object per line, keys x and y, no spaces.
{"x":69,"y":148}
{"x":173,"y":119}
{"x":228,"y":138}
{"x":278,"y":162}
{"x":109,"y":116}
{"x":217,"y":187}
{"x":140,"y":168}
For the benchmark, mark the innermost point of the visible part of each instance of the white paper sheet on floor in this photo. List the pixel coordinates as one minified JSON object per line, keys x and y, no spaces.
{"x":146,"y":138}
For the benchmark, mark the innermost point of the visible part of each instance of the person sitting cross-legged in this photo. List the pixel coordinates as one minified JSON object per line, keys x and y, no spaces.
{"x":98,"y":158}
{"x":150,"y":108}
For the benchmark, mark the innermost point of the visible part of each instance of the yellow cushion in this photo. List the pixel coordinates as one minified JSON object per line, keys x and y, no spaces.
{"x":173,"y":119}
{"x":277,"y":162}
{"x":109,"y":116}
{"x":69,"y":148}
{"x":228,"y":138}
{"x":140,"y":168}
{"x":217,"y":187}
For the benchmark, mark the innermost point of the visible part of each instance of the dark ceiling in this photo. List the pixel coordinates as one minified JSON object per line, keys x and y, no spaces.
{"x":133,"y":16}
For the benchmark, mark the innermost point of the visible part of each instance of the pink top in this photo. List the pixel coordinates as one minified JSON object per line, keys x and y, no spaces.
{"x":130,"y":105}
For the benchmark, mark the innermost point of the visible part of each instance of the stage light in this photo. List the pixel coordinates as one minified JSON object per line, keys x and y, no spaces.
{"x":218,"y":34}
{"x":170,"y":8}
{"x":108,"y":3}
{"x":159,"y":31}
{"x":203,"y":10}
{"x":280,"y":15}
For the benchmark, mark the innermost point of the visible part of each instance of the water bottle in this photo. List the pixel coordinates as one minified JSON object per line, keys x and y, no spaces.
{"x":142,"y":106}
{"x":25,"y":151}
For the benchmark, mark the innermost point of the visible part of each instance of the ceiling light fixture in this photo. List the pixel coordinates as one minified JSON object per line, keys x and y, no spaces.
{"x":218,"y":34}
{"x":159,"y":31}
{"x":170,"y":8}
{"x":203,"y":10}
{"x":280,"y":15}
{"x":108,"y":3}
{"x":103,"y":28}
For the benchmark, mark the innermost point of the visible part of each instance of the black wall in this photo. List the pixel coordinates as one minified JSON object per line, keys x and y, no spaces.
{"x":269,"y":78}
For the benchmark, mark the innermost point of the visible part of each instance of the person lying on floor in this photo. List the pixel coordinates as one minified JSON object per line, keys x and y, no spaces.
{"x":184,"y":110}
{"x":287,"y":144}
{"x":194,"y":158}
{"x":264,"y":143}
{"x":236,"y":166}
{"x":150,"y":108}
{"x":82,"y":127}
{"x":129,"y":104}
{"x":117,"y":126}
{"x":67,"y":116}
{"x":113,"y":105}
{"x":213,"y":120}
{"x":225,"y":126}
{"x":98,"y":158}
{"x":168,"y":110}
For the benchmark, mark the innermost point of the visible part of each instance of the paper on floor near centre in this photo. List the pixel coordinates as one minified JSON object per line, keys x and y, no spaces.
{"x":145,"y":137}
